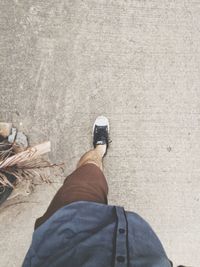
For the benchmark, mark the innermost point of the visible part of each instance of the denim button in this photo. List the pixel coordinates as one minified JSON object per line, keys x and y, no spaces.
{"x":120,"y":258}
{"x":121,"y":231}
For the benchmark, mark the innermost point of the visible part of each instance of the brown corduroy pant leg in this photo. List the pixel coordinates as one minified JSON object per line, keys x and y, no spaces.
{"x":87,"y":183}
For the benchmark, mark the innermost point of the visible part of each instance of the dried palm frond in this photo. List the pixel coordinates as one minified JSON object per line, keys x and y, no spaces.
{"x":29,"y":154}
{"x":26,"y":164}
{"x":4,"y":180}
{"x":6,"y":149}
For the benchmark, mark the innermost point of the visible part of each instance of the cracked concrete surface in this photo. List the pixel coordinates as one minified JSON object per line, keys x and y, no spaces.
{"x":65,"y":62}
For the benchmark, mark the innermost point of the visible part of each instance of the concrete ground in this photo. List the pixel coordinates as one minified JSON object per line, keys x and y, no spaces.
{"x":64,"y":62}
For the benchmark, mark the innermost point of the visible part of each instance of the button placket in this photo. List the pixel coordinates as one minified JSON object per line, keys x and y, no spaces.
{"x":121,"y":239}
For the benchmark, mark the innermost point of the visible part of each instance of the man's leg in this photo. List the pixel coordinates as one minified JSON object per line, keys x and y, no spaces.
{"x":86,"y":183}
{"x":94,"y":156}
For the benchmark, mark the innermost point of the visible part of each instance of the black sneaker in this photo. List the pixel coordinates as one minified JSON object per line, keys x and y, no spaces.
{"x":101,"y":132}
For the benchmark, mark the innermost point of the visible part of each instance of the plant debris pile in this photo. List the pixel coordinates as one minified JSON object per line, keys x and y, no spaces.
{"x":18,"y":161}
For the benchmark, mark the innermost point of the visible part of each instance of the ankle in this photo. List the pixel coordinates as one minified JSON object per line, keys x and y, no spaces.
{"x":101,"y":150}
